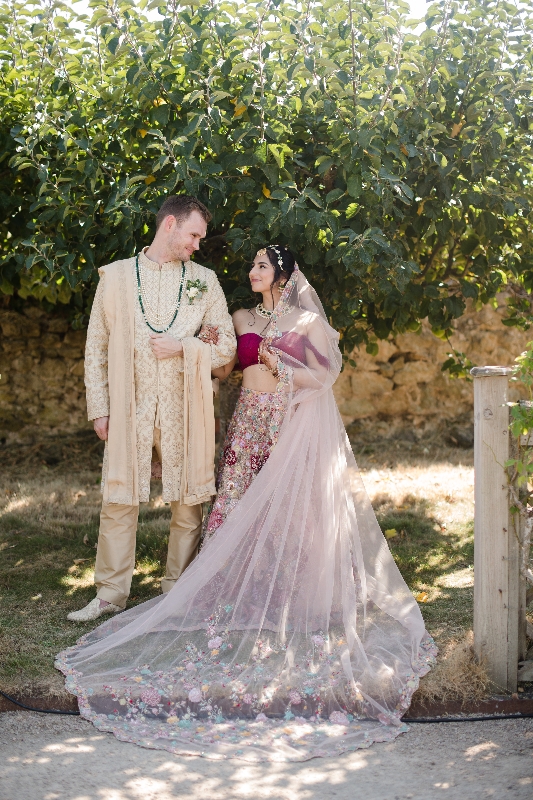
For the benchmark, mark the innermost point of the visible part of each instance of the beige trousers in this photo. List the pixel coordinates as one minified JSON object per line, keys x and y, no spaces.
{"x":115,"y":555}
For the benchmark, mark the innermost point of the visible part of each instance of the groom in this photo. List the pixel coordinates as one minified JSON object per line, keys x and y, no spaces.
{"x":148,"y":359}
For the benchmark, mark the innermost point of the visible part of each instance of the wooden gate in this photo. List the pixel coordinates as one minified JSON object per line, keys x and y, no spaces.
{"x":500,"y":579}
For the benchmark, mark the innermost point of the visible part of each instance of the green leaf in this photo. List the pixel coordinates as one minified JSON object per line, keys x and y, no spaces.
{"x":132,"y":73}
{"x":354,"y":186}
{"x":196,"y":95}
{"x":324,"y":163}
{"x":313,"y":196}
{"x":113,"y":44}
{"x":278,"y":154}
{"x":334,"y":195}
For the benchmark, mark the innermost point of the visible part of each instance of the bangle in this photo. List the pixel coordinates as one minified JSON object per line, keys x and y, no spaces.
{"x":284,"y":375}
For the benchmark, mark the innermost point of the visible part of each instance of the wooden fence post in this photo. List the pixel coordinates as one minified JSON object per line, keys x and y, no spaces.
{"x":497,"y":582}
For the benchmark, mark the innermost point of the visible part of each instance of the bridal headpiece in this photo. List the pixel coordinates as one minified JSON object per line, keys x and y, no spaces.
{"x":277,"y":251}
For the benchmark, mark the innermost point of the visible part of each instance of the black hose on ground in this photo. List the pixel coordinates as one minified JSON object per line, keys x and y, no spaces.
{"x":422,"y":720}
{"x":40,"y":710}
{"x":419,"y":720}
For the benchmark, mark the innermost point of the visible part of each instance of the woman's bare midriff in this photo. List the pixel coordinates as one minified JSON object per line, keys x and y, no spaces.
{"x":258,"y":378}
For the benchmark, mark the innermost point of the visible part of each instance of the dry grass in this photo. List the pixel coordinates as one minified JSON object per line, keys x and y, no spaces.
{"x":428,"y":498}
{"x":457,"y":675}
{"x":49,"y":523}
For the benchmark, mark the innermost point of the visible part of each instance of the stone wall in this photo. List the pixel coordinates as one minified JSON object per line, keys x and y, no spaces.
{"x":404,"y":385}
{"x":42,"y":391}
{"x":41,"y":368}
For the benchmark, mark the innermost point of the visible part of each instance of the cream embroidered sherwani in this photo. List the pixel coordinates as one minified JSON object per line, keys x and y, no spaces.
{"x":157,"y":389}
{"x":158,"y":382}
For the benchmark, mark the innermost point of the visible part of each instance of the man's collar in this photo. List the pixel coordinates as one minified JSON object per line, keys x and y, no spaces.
{"x":147,"y":262}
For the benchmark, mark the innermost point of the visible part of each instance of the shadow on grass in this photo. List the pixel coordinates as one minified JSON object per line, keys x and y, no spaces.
{"x":47,"y":543}
{"x":436,"y":562}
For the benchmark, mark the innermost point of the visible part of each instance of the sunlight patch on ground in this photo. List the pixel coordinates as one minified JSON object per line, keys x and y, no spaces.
{"x":460,"y":579}
{"x":75,"y":582}
{"x":485,"y":750}
{"x":445,"y":485}
{"x":447,"y":491}
{"x":64,"y":747}
{"x":158,"y":502}
{"x":16,"y":504}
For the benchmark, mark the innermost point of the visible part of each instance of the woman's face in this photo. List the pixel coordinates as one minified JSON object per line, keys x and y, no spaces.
{"x":261,"y":274}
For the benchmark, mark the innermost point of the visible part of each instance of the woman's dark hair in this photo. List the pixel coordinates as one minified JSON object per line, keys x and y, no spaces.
{"x":288,"y":259}
{"x":283,"y":270}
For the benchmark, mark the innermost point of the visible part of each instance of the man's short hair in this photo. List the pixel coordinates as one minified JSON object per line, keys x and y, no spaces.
{"x":181,"y":206}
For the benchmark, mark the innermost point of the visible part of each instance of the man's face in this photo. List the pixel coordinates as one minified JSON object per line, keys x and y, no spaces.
{"x":185,"y":235}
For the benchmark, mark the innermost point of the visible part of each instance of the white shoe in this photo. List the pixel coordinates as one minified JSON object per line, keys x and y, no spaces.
{"x":92,"y":611}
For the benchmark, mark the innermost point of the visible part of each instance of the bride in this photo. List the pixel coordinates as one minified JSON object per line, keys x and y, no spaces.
{"x":292,"y":635}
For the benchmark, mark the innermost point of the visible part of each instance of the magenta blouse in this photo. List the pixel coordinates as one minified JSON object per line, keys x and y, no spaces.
{"x":294,"y":344}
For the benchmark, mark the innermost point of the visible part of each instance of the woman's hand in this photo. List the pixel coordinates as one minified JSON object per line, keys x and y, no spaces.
{"x":209,"y":334}
{"x":268,"y":356}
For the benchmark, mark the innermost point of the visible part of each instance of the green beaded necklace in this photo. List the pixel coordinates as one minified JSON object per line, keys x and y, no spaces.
{"x":171,"y":323}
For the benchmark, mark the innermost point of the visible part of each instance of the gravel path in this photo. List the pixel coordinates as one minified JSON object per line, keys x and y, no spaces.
{"x":62,"y":758}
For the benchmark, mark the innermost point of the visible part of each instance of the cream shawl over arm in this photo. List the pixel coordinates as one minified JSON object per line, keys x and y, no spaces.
{"x":120,"y":477}
{"x":198,"y":476}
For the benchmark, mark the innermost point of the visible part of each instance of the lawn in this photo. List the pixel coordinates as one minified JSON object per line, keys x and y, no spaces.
{"x":49,"y":508}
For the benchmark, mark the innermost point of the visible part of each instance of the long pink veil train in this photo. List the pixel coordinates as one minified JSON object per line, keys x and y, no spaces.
{"x":293,"y":634}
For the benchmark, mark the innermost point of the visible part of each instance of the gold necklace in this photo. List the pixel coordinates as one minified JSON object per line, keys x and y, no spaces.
{"x":264,"y":312}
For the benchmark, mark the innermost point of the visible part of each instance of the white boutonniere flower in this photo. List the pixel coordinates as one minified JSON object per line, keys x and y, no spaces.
{"x":195,"y":289}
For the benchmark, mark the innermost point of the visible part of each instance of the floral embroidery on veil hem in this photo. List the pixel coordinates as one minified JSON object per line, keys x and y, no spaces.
{"x":149,"y":715}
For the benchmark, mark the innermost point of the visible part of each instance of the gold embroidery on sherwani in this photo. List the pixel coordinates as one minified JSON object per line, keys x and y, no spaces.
{"x":159,"y":390}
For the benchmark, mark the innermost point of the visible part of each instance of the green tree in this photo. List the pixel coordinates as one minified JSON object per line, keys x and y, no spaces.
{"x":397,"y":166}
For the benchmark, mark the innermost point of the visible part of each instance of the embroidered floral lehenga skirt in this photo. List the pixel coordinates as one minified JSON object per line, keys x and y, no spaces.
{"x":252,"y":433}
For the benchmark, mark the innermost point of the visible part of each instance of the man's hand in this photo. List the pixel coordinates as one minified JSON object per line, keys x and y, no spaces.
{"x":165,"y":346}
{"x":101,"y":426}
